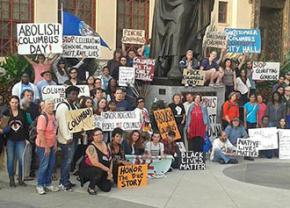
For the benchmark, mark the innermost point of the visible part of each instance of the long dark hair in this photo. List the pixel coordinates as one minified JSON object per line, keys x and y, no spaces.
{"x":139,"y":142}
{"x":14,"y":97}
{"x":61,"y":72}
{"x":279,"y":95}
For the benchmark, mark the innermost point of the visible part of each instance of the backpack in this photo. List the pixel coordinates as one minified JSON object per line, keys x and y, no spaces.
{"x":33,"y":128}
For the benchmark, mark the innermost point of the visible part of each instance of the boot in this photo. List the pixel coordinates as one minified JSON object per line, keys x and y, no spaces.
{"x":12,"y":181}
{"x":21,"y":182}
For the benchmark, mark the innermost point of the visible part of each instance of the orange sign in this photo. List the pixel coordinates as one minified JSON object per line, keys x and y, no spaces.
{"x":132,"y":176}
{"x":165,"y":121}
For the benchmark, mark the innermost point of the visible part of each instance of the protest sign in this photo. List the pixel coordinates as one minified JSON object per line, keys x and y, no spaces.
{"x":144,"y":68}
{"x":284,"y":143}
{"x":211,"y":103}
{"x":126,"y":120}
{"x":165,"y":122}
{"x":215,"y":39}
{"x":267,"y":137}
{"x":243,"y":40}
{"x":77,"y":46}
{"x":193,"y":77}
{"x":192,"y":161}
{"x":126,"y":76}
{"x":132,"y":176}
{"x":80,"y":120}
{"x":247,"y":148}
{"x":39,"y":38}
{"x":131,"y":36}
{"x":266,"y":70}
{"x":57,"y":92}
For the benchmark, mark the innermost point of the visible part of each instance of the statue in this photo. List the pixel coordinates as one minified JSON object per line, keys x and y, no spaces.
{"x":178,"y":25}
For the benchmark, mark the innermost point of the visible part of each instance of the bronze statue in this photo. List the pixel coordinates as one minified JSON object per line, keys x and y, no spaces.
{"x":178,"y":25}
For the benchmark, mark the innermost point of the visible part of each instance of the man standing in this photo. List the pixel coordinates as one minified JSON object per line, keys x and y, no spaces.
{"x":121,"y":102}
{"x":46,"y":80}
{"x":67,"y":141}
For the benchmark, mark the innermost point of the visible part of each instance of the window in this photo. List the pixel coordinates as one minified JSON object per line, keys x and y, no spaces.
{"x":132,"y":14}
{"x":11,"y":13}
{"x":84,"y":9}
{"x":222,"y":12}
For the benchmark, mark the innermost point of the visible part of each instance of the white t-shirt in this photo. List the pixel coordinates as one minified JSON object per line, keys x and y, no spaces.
{"x":186,"y":106}
{"x":154,"y":150}
{"x":242,"y":87}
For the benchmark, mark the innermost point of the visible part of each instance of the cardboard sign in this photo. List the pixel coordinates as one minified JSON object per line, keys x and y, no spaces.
{"x":215,"y":39}
{"x":193,"y":77}
{"x":75,"y":46}
{"x":192,"y":161}
{"x":247,"y":148}
{"x":266,"y":70}
{"x":126,"y":120}
{"x":130,"y":176}
{"x":131,"y":36}
{"x":126,"y":76}
{"x":39,"y":38}
{"x":79,"y":120}
{"x":165,"y":121}
{"x":57,"y":92}
{"x":267,"y":137}
{"x":243,"y":40}
{"x":144,"y":68}
{"x":284,"y":143}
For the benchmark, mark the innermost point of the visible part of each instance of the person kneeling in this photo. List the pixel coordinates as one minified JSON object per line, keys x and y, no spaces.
{"x":97,"y":165}
{"x":223,"y":150}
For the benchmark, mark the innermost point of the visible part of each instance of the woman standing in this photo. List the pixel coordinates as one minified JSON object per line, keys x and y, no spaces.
{"x":262,"y":109}
{"x":276,"y":109}
{"x":243,"y":86}
{"x":229,"y":78}
{"x":197,"y":123}
{"x":251,"y":109}
{"x":17,"y":133}
{"x":102,"y":106}
{"x":230,"y":110}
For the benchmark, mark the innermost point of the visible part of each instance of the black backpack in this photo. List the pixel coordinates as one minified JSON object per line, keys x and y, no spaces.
{"x":33,"y":128}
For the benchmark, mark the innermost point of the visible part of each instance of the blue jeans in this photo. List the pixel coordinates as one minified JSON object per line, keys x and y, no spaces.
{"x":15,"y":150}
{"x":46,"y":165}
{"x":219,"y":155}
{"x":68,"y":151}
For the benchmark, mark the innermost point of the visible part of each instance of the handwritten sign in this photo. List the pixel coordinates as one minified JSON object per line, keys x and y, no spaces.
{"x":266,"y":70}
{"x":76,"y":46}
{"x":126,"y":76}
{"x":39,"y":38}
{"x":131,"y":36}
{"x":165,"y":121}
{"x":130,"y":176}
{"x":126,"y":120}
{"x":284,"y":143}
{"x":267,"y":137}
{"x":243,"y":40}
{"x":57,"y":92}
{"x":215,"y":39}
{"x":193,"y":77}
{"x":79,"y":120}
{"x":192,"y":161}
{"x":144,"y":68}
{"x":247,"y":148}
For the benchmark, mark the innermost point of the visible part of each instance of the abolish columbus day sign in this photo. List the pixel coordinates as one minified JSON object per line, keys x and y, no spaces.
{"x":215,"y":39}
{"x":284,"y":143}
{"x":133,"y":37}
{"x":130,"y":176}
{"x":243,"y":40}
{"x":267,"y":137}
{"x":76,"y":46}
{"x":80,"y":120}
{"x":192,"y":161}
{"x":247,"y":148}
{"x":39,"y":38}
{"x":144,"y":68}
{"x":266,"y":70}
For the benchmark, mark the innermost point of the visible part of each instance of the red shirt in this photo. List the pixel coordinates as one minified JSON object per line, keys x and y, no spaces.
{"x":231,"y":110}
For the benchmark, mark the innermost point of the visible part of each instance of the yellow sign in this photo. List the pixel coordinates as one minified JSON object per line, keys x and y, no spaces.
{"x":80,"y":120}
{"x":132,"y":176}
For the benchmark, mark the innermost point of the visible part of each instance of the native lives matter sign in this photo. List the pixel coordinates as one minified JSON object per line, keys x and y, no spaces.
{"x":247,"y":148}
{"x":76,"y":46}
{"x":284,"y":143}
{"x":130,"y":176}
{"x":39,"y":38}
{"x":133,"y":37}
{"x":266,"y":70}
{"x":144,"y":68}
{"x":215,"y":39}
{"x":80,"y":120}
{"x":192,"y":161}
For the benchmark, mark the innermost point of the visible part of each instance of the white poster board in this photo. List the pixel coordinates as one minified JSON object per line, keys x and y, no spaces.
{"x":126,"y":76}
{"x":266,"y":137}
{"x":131,"y":36}
{"x":215,"y":39}
{"x":39,"y":38}
{"x":211,"y":103}
{"x":75,"y":46}
{"x":266,"y":70}
{"x":284,"y":143}
{"x":247,"y":148}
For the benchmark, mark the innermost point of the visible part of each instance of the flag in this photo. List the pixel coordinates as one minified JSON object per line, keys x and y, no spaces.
{"x":73,"y":25}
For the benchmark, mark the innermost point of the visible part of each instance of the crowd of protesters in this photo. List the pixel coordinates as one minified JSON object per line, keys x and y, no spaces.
{"x":94,"y":156}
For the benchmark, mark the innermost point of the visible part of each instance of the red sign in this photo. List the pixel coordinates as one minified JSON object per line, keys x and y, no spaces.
{"x":144,"y":68}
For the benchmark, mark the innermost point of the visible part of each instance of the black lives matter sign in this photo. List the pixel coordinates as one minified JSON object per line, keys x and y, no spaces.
{"x":39,"y":38}
{"x":192,"y":161}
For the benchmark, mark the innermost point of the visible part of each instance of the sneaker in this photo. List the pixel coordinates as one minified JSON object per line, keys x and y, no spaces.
{"x":221,"y":162}
{"x":65,"y":188}
{"x":52,"y":188}
{"x":72,"y":184}
{"x":233,"y":161}
{"x":40,"y":190}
